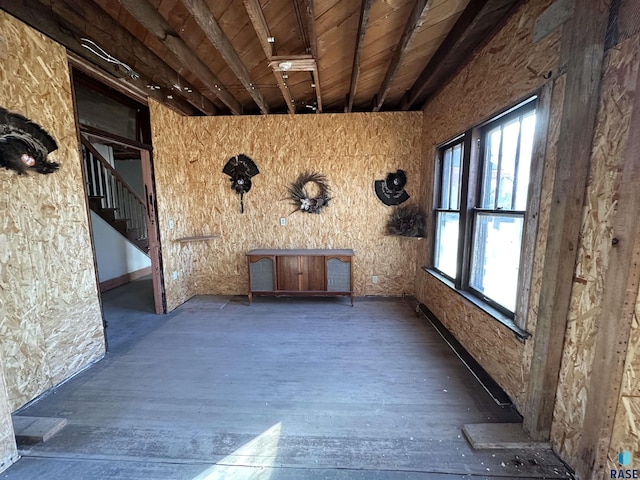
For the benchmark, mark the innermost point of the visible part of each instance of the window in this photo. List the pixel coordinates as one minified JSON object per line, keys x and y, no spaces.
{"x":447,"y":213}
{"x":480,"y":207}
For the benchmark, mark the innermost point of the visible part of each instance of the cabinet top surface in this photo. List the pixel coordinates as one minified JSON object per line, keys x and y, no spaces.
{"x":310,"y":252}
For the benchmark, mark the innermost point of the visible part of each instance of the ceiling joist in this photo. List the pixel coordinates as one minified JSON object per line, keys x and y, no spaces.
{"x":313,"y":46}
{"x":264,"y":35}
{"x":477,"y":21}
{"x":204,"y":18}
{"x":415,"y":21}
{"x":151,"y":19}
{"x":355,"y":69}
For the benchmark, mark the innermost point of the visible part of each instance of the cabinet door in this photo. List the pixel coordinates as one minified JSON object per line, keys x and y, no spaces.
{"x":288,"y":268}
{"x":313,"y":274}
{"x":301,"y":273}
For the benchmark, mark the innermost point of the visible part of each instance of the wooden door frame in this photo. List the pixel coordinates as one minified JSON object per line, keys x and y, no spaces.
{"x":88,"y":78}
{"x":155,"y":248}
{"x":155,"y":252}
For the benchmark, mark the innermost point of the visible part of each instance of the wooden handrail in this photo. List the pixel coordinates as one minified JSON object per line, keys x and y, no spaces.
{"x":108,"y":166}
{"x":112,"y":137}
{"x":118,"y":200}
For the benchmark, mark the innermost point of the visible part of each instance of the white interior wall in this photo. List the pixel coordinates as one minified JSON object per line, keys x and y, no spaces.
{"x":115,"y":255}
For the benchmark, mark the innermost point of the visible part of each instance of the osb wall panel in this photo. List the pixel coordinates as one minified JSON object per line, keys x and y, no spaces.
{"x":507,"y":69}
{"x":626,"y":429}
{"x":608,"y":153}
{"x":50,"y":319}
{"x":485,"y":338}
{"x":8,"y":450}
{"x":351,"y":150}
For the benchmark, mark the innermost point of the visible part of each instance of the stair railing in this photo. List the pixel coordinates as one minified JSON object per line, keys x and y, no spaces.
{"x":104,"y":181}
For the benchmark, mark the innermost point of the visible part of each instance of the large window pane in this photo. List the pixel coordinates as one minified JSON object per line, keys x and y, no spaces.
{"x":524,"y":162}
{"x":446,"y":246}
{"x":456,"y":154}
{"x":507,"y":161}
{"x":490,"y":168}
{"x":510,"y":137}
{"x":496,"y":257}
{"x":446,"y":179}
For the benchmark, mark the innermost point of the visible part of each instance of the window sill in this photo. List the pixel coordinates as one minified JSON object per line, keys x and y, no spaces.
{"x":520,"y":334}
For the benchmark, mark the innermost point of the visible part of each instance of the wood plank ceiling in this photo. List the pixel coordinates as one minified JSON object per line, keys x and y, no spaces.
{"x":221,"y":57}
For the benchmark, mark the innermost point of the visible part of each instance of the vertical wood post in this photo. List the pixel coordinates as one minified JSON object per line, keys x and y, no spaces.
{"x":622,"y":280}
{"x":584,"y":44}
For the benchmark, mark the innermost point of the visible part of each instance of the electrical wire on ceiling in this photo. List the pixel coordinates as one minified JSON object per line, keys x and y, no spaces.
{"x":97,"y":50}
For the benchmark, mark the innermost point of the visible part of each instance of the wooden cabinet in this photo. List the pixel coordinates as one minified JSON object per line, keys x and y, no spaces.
{"x":300,"y":272}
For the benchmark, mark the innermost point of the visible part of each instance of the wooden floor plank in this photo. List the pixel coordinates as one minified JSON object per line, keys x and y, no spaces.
{"x":282,"y":389}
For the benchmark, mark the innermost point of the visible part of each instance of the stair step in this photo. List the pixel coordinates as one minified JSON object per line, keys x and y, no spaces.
{"x":133,"y":233}
{"x":109,"y":214}
{"x":95,"y":203}
{"x":120,"y":225}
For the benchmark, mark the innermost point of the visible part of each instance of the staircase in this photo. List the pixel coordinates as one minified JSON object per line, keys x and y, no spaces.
{"x":113,"y":199}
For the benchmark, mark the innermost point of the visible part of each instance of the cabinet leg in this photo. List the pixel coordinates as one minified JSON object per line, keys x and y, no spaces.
{"x":250,"y":298}
{"x":352,"y":299}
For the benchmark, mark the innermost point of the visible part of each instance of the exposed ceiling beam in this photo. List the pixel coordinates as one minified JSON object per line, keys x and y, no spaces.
{"x":151,"y":19}
{"x":313,"y":46}
{"x":54,"y":21}
{"x":415,"y":21}
{"x":204,"y":18}
{"x":137,"y":92}
{"x":301,"y":26}
{"x":355,"y":69}
{"x":262,"y":31}
{"x":254,"y":10}
{"x":477,"y":21}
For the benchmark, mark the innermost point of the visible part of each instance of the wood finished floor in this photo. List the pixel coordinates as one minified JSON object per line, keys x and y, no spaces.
{"x":285,"y":389}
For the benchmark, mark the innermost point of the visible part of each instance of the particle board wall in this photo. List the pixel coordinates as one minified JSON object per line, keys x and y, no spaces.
{"x":608,"y":154}
{"x":8,"y":449}
{"x":626,"y":430}
{"x":352,"y":150}
{"x":50,"y":318}
{"x":507,"y":69}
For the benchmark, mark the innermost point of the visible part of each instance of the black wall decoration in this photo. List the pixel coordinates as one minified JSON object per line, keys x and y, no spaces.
{"x":240,"y":170}
{"x":391,"y":191}
{"x":407,"y":221}
{"x":24,"y":145}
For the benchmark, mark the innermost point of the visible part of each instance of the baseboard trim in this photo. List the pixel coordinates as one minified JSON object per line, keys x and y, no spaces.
{"x":123,"y":279}
{"x":487,"y":382}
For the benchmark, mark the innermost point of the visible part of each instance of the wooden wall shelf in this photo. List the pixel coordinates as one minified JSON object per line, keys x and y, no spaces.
{"x":300,"y":273}
{"x":200,"y":238}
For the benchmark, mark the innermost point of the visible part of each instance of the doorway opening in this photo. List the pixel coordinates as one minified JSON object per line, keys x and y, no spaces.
{"x":115,"y":136}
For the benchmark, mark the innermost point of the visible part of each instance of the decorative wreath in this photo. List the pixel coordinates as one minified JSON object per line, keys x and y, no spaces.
{"x":407,"y":221}
{"x":301,"y":197}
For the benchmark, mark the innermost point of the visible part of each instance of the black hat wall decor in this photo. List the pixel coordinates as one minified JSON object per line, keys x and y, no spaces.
{"x":24,"y":145}
{"x":240,"y":170}
{"x":391,"y":190}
